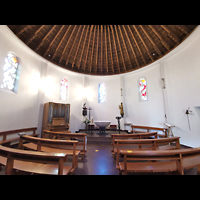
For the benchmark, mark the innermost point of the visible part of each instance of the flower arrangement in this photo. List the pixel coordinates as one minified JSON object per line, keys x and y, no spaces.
{"x":86,"y":121}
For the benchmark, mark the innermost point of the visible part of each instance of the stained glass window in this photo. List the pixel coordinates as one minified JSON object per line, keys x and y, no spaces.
{"x":143,"y":89}
{"x":102,"y":93}
{"x":64,"y":89}
{"x":10,"y":73}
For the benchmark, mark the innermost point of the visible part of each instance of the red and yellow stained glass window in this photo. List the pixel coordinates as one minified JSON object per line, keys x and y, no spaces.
{"x":143,"y":89}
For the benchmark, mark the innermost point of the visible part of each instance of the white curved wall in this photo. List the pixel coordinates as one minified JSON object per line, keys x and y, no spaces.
{"x":180,"y":68}
{"x":39,"y":83}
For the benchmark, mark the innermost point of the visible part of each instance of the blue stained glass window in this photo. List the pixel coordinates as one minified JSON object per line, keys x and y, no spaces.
{"x":102,"y":93}
{"x":10,"y":73}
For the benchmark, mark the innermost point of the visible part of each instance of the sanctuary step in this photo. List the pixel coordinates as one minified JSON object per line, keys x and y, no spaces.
{"x":100,"y":139}
{"x":94,"y":137}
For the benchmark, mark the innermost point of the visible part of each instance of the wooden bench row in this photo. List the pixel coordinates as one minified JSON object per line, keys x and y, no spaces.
{"x":159,"y":161}
{"x":56,"y":152}
{"x":52,"y":146}
{"x":33,"y":161}
{"x":153,"y":155}
{"x":149,"y":128}
{"x":145,"y":144}
{"x":4,"y":135}
{"x":65,"y":135}
{"x":130,"y":136}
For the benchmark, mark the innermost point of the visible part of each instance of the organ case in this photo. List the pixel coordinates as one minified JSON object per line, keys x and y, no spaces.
{"x":56,"y":116}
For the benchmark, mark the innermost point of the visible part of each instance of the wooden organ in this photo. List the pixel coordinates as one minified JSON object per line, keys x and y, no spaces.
{"x":56,"y":116}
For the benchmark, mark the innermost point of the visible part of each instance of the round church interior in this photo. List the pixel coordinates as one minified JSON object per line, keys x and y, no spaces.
{"x":99,"y":99}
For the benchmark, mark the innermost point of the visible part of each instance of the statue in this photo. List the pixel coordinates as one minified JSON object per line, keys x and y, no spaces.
{"x":121,"y":110}
{"x":84,"y":112}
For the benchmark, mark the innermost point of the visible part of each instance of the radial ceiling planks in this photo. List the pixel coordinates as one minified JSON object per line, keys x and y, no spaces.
{"x":102,"y":49}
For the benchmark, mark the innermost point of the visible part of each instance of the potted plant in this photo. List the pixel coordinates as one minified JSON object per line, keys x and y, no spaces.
{"x":86,"y":122}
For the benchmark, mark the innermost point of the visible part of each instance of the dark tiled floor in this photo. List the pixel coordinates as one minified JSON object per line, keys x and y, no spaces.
{"x":97,"y":162}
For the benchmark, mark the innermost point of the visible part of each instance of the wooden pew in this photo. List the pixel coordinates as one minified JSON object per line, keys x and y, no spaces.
{"x":33,"y":162}
{"x":166,"y":161}
{"x":148,"y":128}
{"x":51,"y":146}
{"x":150,"y":144}
{"x":129,"y":136}
{"x":82,"y":137}
{"x":7,"y":142}
{"x":53,"y":134}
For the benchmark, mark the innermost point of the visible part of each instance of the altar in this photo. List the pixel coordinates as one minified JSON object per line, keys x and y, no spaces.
{"x":102,"y":127}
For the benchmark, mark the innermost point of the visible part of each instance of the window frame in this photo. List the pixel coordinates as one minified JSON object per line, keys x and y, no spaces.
{"x":105,"y":93}
{"x":67,"y":91}
{"x":141,"y":99}
{"x":14,"y":90}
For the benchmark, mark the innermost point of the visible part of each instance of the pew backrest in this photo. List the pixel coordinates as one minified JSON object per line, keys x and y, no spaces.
{"x":13,"y":135}
{"x":30,"y":156}
{"x":54,"y":134}
{"x":66,"y":144}
{"x":51,"y":145}
{"x":149,"y":128}
{"x":151,"y":144}
{"x":180,"y":158}
{"x":131,"y":136}
{"x":63,"y":135}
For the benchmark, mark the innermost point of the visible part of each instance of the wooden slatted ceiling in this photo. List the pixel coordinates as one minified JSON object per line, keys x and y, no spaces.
{"x":102,"y":49}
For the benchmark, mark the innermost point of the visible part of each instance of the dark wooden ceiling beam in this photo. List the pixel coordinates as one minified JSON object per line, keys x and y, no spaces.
{"x":87,"y":51}
{"x":50,"y":45}
{"x":111,"y":56}
{"x":73,"y":42}
{"x":82,"y":50}
{"x":134,"y":54}
{"x":97,"y":49}
{"x":106,"y":50}
{"x":44,"y":38}
{"x":151,"y":40}
{"x":115,"y":47}
{"x":21,"y":29}
{"x":183,"y":28}
{"x":135,"y":41}
{"x":75,"y":56}
{"x":34,"y":34}
{"x":143,"y":42}
{"x":120,"y":48}
{"x":171,"y":33}
{"x":102,"y":49}
{"x":165,"y":44}
{"x":90,"y":64}
{"x":124,"y":44}
{"x":17,"y":29}
{"x":61,"y":41}
{"x":68,"y":40}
